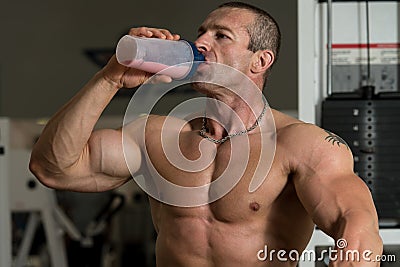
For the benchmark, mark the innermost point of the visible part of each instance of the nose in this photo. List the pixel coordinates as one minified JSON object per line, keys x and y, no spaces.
{"x":203,"y":43}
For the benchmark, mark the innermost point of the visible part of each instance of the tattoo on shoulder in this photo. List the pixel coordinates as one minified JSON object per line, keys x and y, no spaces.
{"x":335,"y":139}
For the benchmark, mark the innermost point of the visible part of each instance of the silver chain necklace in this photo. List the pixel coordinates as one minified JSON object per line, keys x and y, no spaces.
{"x":203,"y":131}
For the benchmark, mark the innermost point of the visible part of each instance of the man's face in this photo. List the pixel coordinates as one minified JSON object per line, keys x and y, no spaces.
{"x":223,"y":38}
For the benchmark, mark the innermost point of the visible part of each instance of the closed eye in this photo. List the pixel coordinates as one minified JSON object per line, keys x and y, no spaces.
{"x":221,"y":36}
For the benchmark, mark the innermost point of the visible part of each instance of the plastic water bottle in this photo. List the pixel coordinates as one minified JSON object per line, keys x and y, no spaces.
{"x":154,"y":55}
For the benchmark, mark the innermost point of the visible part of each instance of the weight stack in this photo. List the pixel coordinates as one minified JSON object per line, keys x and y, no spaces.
{"x":371,"y":127}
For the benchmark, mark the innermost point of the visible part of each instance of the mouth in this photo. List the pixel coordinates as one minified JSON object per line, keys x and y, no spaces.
{"x":209,"y":56}
{"x":203,"y":66}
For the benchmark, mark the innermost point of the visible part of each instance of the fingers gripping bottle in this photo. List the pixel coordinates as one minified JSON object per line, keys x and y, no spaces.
{"x":154,"y":55}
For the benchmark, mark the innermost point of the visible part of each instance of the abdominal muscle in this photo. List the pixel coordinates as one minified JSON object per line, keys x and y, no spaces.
{"x":199,"y":237}
{"x":201,"y":242}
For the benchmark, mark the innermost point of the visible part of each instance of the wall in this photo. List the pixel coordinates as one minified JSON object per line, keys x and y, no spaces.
{"x":42,"y":60}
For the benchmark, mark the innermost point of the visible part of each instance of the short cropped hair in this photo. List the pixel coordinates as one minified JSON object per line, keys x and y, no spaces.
{"x":264,"y":32}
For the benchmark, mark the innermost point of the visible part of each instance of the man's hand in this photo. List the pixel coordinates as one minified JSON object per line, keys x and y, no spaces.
{"x":121,"y":76}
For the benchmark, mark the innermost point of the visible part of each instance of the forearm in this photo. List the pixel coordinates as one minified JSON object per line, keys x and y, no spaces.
{"x":344,"y":210}
{"x":357,"y":240}
{"x":66,"y":135}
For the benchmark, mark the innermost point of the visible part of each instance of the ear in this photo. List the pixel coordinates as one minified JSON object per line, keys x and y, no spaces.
{"x":261,"y":61}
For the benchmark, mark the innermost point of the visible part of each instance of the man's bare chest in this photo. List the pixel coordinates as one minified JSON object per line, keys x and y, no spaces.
{"x":218,"y":177}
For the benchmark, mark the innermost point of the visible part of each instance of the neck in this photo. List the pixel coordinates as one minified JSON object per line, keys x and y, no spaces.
{"x":228,"y":116}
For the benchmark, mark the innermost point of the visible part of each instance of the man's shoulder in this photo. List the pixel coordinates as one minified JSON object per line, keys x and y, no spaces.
{"x":306,"y":144}
{"x":301,"y":133}
{"x":290,"y":127}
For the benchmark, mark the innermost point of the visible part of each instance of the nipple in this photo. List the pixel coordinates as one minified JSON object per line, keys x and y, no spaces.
{"x":254,"y":206}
